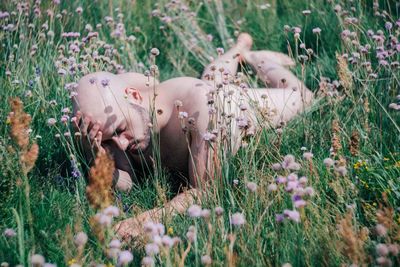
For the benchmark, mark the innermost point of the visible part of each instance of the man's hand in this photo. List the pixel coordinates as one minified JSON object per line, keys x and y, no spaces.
{"x":88,"y":133}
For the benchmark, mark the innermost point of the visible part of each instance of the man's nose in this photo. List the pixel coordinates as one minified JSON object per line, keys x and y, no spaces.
{"x":121,"y":141}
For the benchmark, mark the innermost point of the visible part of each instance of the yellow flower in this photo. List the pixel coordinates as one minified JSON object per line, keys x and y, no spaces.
{"x":385,"y":159}
{"x":397,"y":164}
{"x":110,"y":265}
{"x":8,"y":120}
{"x":170,"y":231}
{"x":71,"y":261}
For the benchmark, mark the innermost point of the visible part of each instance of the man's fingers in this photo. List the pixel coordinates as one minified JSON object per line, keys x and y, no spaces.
{"x":85,"y":125}
{"x":94,"y":130}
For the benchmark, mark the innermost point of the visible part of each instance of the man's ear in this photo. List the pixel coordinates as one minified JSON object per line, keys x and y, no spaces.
{"x":133,"y":92}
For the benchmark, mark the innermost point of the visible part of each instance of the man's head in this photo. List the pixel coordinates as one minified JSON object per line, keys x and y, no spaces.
{"x":107,"y":100}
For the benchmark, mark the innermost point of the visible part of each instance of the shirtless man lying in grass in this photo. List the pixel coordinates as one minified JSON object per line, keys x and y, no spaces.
{"x":123,"y":112}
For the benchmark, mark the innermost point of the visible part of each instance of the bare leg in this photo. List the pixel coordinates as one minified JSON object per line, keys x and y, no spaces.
{"x":227,"y":63}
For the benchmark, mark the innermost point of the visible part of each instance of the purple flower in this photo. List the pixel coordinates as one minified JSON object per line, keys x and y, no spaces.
{"x":194,"y":211}
{"x":293,"y":215}
{"x":279,"y":217}
{"x":291,"y":185}
{"x":237,"y":219}
{"x":281,"y":180}
{"x":105,"y":82}
{"x":388,"y":26}
{"x":300,"y":203}
{"x":9,"y":232}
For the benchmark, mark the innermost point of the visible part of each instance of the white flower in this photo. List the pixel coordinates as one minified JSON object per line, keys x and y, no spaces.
{"x":37,"y":260}
{"x":51,"y":121}
{"x":148,"y":261}
{"x":194,"y":211}
{"x":251,"y":186}
{"x":9,"y":232}
{"x":206,"y":260}
{"x":152,"y":249}
{"x":111,"y":211}
{"x":115,"y":243}
{"x":237,"y":219}
{"x":182,"y":115}
{"x":167,"y":241}
{"x":125,"y":257}
{"x":219,"y":211}
{"x":80,"y":239}
{"x":272,"y":187}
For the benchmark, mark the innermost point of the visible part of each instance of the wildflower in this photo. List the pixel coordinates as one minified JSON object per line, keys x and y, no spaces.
{"x":281,"y":180}
{"x":380,"y":230}
{"x":191,"y":234}
{"x":167,"y":241}
{"x":276,"y":166}
{"x":105,"y":82}
{"x":292,"y":177}
{"x":303,"y":180}
{"x":37,"y":260}
{"x":316,"y":30}
{"x":79,"y":10}
{"x":308,"y":155}
{"x":272,"y":187}
{"x":170,"y":231}
{"x":194,"y":211}
{"x":279,"y":218}
{"x":328,"y":162}
{"x":9,"y":232}
{"x":125,"y":257}
{"x":293,"y":215}
{"x":207,"y":136}
{"x":148,"y":261}
{"x":80,"y":239}
{"x":62,"y":72}
{"x":382,"y":261}
{"x":152,"y":249}
{"x":341,"y":170}
{"x":306,"y":12}
{"x":237,"y":219}
{"x":220,"y":50}
{"x":219,"y":211}
{"x":235,"y":181}
{"x":299,"y":203}
{"x":111,"y":211}
{"x":388,"y":26}
{"x":309,"y":191}
{"x":393,"y":249}
{"x":205,"y":213}
{"x":155,"y":52}
{"x":206,"y":260}
{"x":382,"y":249}
{"x":291,"y":185}
{"x":178,"y":104}
{"x":251,"y":186}
{"x":182,"y":115}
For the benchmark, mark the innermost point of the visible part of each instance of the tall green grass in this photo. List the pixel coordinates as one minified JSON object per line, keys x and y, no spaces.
{"x":58,"y":203}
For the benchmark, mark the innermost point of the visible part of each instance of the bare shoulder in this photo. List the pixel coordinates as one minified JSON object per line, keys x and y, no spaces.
{"x":187,"y":85}
{"x":138,"y":80}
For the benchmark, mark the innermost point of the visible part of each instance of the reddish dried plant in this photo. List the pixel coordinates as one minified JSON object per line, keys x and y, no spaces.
{"x":98,"y":191}
{"x":352,"y":240}
{"x":19,"y":121}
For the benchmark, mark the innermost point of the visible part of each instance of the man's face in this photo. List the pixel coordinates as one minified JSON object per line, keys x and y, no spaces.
{"x":127,"y":126}
{"x":117,"y":111}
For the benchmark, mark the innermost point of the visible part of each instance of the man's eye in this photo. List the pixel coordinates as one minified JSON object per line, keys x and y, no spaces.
{"x":119,"y":131}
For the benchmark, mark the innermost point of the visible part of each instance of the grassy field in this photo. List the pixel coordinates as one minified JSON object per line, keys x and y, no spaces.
{"x":346,"y":145}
